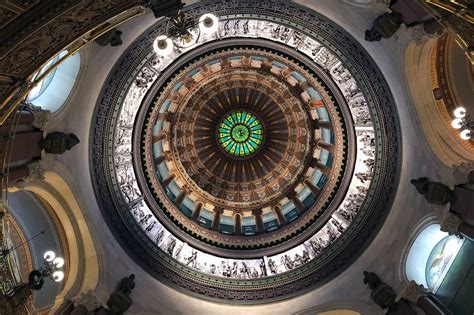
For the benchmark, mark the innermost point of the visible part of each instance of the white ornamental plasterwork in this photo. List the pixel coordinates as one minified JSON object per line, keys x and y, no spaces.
{"x":461,"y":172}
{"x":413,"y":291}
{"x":36,"y":172}
{"x":450,"y":223}
{"x":89,"y":300}
{"x":264,"y":266}
{"x":40,"y":116}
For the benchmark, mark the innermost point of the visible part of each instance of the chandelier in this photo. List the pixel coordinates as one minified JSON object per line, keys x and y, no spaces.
{"x":183,"y":31}
{"x":52,"y":264}
{"x":462,"y":121}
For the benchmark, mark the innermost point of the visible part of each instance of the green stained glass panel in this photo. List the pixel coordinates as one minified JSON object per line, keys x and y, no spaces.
{"x":240,"y":133}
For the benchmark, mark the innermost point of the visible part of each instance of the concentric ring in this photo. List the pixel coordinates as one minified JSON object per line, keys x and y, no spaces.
{"x":240,"y":133}
{"x":148,"y":210}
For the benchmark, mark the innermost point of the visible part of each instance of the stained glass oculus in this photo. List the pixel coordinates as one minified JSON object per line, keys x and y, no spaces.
{"x":240,"y":133}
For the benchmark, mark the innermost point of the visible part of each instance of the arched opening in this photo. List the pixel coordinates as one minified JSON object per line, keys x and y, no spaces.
{"x":52,"y":91}
{"x":440,"y":80}
{"x":431,"y":256}
{"x":35,"y":229}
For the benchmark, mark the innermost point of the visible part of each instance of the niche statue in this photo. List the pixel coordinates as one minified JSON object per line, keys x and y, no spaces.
{"x":58,"y":142}
{"x":435,"y":193}
{"x":382,"y":294}
{"x":384,"y":26}
{"x":120,"y":300}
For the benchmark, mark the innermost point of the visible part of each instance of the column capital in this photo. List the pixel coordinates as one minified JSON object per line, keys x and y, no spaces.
{"x":36,"y":172}
{"x":218,"y":210}
{"x":413,"y":291}
{"x":450,"y":223}
{"x":291,"y":194}
{"x":87,"y":299}
{"x":236,"y":211}
{"x":41,"y":116}
{"x":257,"y":211}
{"x":461,"y":172}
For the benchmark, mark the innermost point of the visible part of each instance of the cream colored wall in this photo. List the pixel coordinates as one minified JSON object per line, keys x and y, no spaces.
{"x":443,"y":140}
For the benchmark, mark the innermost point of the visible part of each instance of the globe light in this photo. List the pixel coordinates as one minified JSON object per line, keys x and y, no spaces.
{"x":163,"y":46}
{"x":457,"y":123}
{"x":58,"y":262}
{"x":466,"y":134}
{"x":58,"y":276}
{"x":460,"y":112}
{"x":208,"y":23}
{"x":49,"y":255}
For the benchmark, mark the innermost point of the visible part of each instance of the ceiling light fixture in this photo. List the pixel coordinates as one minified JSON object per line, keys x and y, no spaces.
{"x":52,"y":264}
{"x":183,"y":31}
{"x":462,"y":121}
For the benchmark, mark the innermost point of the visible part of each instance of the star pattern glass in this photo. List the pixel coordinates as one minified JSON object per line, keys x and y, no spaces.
{"x":240,"y":134}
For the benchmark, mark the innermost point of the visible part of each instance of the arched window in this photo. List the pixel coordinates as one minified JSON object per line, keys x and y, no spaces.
{"x":431,"y":256}
{"x":51,"y":92}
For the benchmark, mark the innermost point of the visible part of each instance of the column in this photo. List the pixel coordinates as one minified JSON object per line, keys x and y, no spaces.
{"x":296,"y":201}
{"x":246,"y":61}
{"x":168,"y":180}
{"x":66,"y":308}
{"x":182,"y":194}
{"x":315,"y":163}
{"x":26,"y":146}
{"x":159,"y":137}
{"x":165,"y":116}
{"x":266,"y":65}
{"x":257,"y":213}
{"x":302,"y":87}
{"x":79,"y":310}
{"x":161,"y":159}
{"x":279,"y":214}
{"x":85,"y":301}
{"x":237,"y":222}
{"x":40,"y":116}
{"x":453,"y":224}
{"x":417,"y":295}
{"x":217,"y":218}
{"x":315,"y":190}
{"x":316,"y":104}
{"x":466,"y":230}
{"x":285,"y":73}
{"x":26,"y":117}
{"x":327,"y":146}
{"x":318,"y":124}
{"x":196,"y":211}
{"x":18,"y":172}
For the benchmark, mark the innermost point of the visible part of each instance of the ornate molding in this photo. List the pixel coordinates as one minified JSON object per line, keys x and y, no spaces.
{"x":413,"y":291}
{"x":461,"y":172}
{"x":41,"y":29}
{"x":41,"y":116}
{"x":450,"y":223}
{"x":406,"y":35}
{"x":36,"y":172}
{"x":370,"y":214}
{"x":87,"y":299}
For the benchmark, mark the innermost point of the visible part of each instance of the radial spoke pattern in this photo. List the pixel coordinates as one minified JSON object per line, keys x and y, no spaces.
{"x":240,"y":134}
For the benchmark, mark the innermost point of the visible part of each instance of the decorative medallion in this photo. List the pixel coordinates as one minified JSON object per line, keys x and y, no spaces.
{"x":240,"y":134}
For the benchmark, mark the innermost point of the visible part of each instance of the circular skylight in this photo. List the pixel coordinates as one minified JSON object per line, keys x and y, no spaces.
{"x":240,"y":133}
